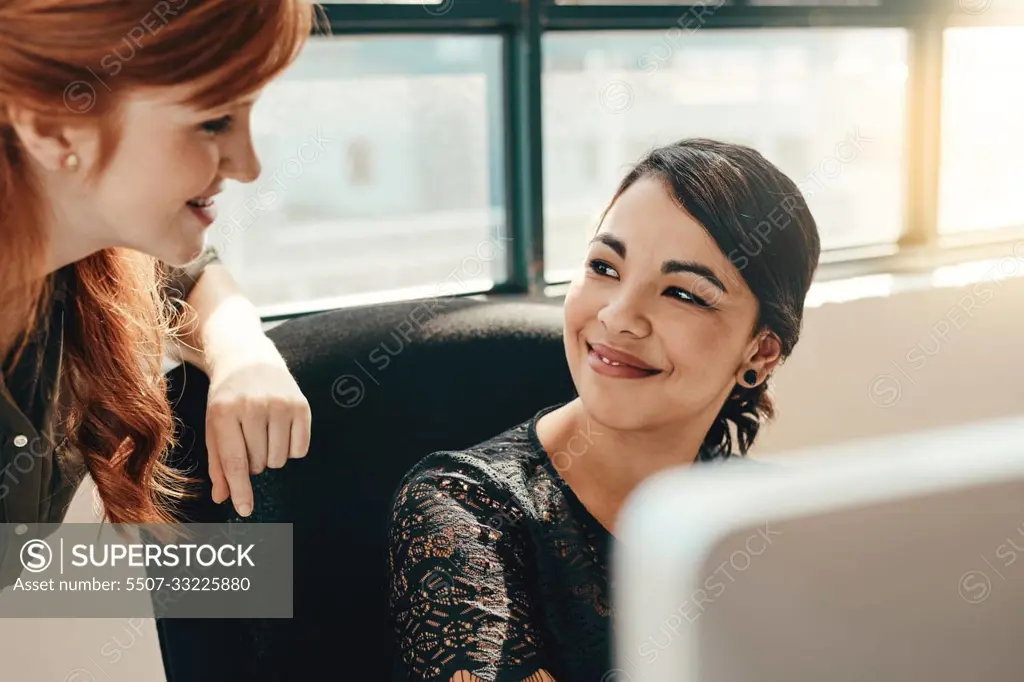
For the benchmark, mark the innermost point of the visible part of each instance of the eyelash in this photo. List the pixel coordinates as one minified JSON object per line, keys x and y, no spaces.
{"x":218,"y":126}
{"x":597,"y":266}
{"x":597,"y":263}
{"x":691,"y":298}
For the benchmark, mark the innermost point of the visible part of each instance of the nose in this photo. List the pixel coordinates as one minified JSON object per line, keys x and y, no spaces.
{"x":240,"y":161}
{"x":623,"y":314}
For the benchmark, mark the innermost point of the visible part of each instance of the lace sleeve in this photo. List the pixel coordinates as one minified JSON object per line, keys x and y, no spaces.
{"x":459,"y":600}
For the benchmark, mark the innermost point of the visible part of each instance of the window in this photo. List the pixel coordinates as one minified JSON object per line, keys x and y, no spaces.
{"x":360,"y":162}
{"x":380,"y":2}
{"x":381,"y":171}
{"x":711,"y":4}
{"x":388,"y":149}
{"x":826,"y":105}
{"x":590,"y":161}
{"x":982,"y":176}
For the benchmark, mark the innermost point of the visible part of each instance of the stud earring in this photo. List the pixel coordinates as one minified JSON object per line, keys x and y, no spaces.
{"x":750,"y":377}
{"x":71,"y":161}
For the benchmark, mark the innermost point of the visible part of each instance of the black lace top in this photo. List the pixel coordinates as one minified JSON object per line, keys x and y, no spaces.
{"x":498,"y":571}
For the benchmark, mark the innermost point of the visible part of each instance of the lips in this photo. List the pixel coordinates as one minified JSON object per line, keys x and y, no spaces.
{"x":616,"y":363}
{"x":204,"y":210}
{"x":205,"y":200}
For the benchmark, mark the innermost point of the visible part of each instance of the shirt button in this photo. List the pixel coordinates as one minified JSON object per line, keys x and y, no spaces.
{"x":20,"y":529}
{"x":20,"y":441}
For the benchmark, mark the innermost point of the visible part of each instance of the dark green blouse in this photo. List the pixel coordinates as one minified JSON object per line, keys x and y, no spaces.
{"x":39,"y":475}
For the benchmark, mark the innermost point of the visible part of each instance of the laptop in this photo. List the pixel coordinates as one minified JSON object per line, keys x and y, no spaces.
{"x":895,"y":559}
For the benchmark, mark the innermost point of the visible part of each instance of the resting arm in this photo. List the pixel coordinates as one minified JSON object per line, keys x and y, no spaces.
{"x":227,"y":326}
{"x":257,"y":417}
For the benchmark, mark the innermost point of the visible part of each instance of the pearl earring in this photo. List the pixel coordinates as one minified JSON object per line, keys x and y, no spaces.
{"x":71,"y":161}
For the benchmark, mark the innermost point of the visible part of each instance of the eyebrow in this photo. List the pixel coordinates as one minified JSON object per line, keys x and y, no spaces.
{"x":669,"y":266}
{"x":613,"y":243}
{"x":228,"y":107}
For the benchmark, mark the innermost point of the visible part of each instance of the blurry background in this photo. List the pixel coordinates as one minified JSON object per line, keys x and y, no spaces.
{"x":468,"y":146}
{"x":386,"y":160}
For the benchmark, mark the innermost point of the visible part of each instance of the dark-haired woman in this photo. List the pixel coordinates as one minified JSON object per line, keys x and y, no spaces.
{"x":692,"y":293}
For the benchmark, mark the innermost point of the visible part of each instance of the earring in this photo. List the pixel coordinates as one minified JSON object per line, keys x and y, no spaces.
{"x":750,"y":376}
{"x":71,"y":161}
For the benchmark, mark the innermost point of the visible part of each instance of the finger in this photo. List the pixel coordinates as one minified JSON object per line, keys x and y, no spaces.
{"x":220,"y":483}
{"x":300,"y":434}
{"x":235,"y":464}
{"x":278,"y":436}
{"x":254,"y":428}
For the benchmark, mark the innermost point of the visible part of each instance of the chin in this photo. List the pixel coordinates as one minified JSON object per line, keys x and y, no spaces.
{"x":181,"y":253}
{"x":175,"y":243}
{"x":621,"y":404}
{"x":619,"y":410}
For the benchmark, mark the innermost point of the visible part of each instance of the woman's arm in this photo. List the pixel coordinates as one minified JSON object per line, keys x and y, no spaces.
{"x":257,"y":416}
{"x":227,"y":325}
{"x":461,"y":605}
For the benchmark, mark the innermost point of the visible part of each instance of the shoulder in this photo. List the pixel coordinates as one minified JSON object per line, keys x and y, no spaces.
{"x":180,"y":280}
{"x":497,"y":462}
{"x":485,"y":478}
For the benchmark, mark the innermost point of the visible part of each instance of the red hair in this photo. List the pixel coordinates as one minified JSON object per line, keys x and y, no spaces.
{"x":69,"y":61}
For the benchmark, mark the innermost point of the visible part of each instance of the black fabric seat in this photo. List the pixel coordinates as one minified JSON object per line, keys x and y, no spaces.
{"x":387,"y":384}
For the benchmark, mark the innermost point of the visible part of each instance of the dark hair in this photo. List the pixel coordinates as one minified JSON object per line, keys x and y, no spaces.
{"x":760,"y":220}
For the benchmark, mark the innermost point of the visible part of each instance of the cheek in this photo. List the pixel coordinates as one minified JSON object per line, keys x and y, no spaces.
{"x":582,"y":304}
{"x":698,"y":345}
{"x":123,"y":191}
{"x":196,"y":165}
{"x":174,"y":173}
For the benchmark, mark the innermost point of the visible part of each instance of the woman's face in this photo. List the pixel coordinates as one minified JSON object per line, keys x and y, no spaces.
{"x":168,"y":155}
{"x":659,"y":326}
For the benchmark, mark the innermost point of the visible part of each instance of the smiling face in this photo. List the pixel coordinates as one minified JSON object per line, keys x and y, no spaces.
{"x":111,"y":158}
{"x":660,"y":325}
{"x":169,"y":155}
{"x":166,"y":161}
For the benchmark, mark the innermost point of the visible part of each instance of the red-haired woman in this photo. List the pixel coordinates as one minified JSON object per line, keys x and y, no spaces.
{"x":119,"y":122}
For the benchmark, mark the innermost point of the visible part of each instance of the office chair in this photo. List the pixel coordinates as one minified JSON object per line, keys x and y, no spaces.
{"x":387,"y":385}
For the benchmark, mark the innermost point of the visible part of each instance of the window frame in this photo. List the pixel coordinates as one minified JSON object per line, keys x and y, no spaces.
{"x":522,"y":25}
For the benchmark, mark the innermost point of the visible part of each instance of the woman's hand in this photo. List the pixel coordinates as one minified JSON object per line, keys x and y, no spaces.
{"x":256,"y":418}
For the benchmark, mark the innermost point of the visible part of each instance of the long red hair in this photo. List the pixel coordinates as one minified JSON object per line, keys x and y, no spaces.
{"x":69,"y":60}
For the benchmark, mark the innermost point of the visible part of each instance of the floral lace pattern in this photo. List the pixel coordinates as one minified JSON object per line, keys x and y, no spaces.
{"x":497,"y":572}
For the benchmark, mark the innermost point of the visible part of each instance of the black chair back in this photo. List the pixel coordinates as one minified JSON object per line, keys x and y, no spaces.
{"x":388,"y":385}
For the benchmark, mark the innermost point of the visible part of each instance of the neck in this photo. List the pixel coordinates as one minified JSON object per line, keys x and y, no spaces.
{"x":58,"y":243}
{"x":66,"y":220}
{"x":603,"y":466}
{"x":59,"y":255}
{"x":66,"y":243}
